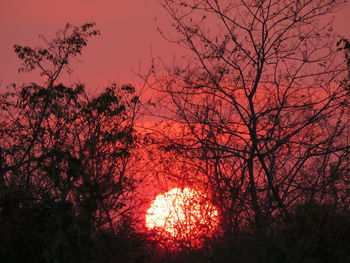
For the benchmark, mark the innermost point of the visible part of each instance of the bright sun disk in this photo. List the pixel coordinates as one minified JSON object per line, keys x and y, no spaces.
{"x":182,"y":218}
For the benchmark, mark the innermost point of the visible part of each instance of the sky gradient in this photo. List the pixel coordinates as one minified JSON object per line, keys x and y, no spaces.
{"x":128,"y":36}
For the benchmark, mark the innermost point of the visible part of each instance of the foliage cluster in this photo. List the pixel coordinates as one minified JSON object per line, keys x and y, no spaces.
{"x":66,"y":186}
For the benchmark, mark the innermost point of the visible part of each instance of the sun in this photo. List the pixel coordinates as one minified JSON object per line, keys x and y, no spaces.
{"x":182,"y":218}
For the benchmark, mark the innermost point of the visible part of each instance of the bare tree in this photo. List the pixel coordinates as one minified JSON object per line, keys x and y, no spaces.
{"x":260,"y":101}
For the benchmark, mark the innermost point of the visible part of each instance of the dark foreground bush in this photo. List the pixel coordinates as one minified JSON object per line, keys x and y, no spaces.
{"x":49,"y":231}
{"x":316,"y":233}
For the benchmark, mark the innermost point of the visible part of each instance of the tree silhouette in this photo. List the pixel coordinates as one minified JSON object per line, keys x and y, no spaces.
{"x":259,"y":99}
{"x":65,"y":157}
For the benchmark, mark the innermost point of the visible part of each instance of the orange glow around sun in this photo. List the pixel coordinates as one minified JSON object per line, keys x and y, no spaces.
{"x":182,"y":218}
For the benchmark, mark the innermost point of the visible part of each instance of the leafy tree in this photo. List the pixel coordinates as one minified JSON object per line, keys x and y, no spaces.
{"x":65,"y":156}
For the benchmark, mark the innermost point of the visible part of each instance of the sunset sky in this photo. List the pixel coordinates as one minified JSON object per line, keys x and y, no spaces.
{"x":234,"y":150}
{"x":129,"y":36}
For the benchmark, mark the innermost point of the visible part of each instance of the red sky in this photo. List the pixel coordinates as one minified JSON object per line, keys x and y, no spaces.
{"x":129,"y":36}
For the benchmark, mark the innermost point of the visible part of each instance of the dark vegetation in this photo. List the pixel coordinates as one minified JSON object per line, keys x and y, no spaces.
{"x":264,"y":107}
{"x":66,"y":185}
